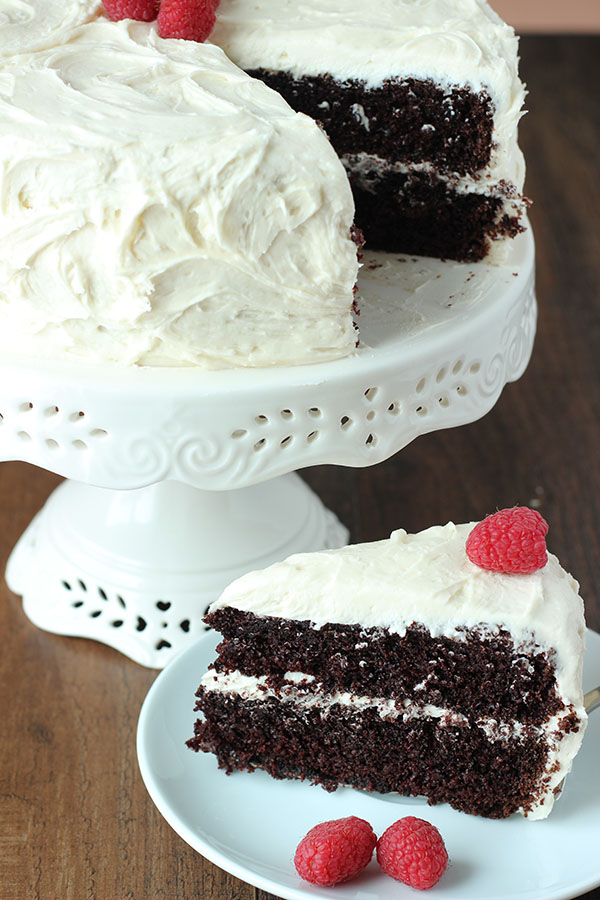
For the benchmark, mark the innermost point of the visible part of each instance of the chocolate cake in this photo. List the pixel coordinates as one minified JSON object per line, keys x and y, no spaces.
{"x":401,"y":666}
{"x":421,"y":101}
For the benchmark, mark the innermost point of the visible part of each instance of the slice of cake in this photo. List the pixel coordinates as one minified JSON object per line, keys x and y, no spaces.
{"x":159,"y":205}
{"x":420,"y":100}
{"x":401,"y":666}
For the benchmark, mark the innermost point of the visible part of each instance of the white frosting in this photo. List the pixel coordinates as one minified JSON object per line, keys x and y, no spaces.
{"x":159,"y":206}
{"x":300,"y":689}
{"x":249,"y":687}
{"x":425,"y":578}
{"x":27,"y":25}
{"x":452,"y":42}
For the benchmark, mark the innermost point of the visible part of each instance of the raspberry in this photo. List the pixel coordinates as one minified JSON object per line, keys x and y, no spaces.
{"x":412,"y":851}
{"x":335,"y":851}
{"x":192,"y":20}
{"x":142,"y":10}
{"x":511,"y":541}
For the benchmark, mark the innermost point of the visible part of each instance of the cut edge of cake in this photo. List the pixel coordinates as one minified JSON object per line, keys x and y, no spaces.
{"x":421,"y":102}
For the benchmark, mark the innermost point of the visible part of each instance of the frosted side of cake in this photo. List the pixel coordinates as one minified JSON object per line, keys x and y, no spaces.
{"x":160,"y":206}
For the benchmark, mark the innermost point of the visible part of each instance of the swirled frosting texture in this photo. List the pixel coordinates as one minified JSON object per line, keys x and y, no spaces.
{"x":27,"y":25}
{"x":452,"y":42}
{"x":159,"y":206}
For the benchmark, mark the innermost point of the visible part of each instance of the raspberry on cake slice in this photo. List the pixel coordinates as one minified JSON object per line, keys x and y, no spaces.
{"x":511,"y":541}
{"x":406,"y":665}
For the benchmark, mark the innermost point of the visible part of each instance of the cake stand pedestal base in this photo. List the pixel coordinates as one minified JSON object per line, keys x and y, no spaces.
{"x":137,"y":569}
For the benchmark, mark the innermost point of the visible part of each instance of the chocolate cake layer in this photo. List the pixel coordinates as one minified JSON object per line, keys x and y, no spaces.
{"x":479,"y":675}
{"x":458,"y":765}
{"x":401,"y":121}
{"x":424,"y":216}
{"x":446,"y":133}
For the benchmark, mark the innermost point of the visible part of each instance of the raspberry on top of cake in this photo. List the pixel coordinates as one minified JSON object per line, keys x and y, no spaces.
{"x":421,"y":100}
{"x":402,"y":665}
{"x":159,"y":205}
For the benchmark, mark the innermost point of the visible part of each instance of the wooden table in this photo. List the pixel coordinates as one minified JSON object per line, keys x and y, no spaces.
{"x":75,"y":819}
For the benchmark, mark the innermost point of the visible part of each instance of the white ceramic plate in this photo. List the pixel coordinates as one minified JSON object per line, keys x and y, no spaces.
{"x":250,"y":824}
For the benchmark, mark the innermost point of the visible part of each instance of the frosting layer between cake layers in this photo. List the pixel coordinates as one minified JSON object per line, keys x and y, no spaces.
{"x":160,"y":206}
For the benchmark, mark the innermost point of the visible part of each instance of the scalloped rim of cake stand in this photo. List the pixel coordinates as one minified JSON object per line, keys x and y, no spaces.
{"x":439,"y":342}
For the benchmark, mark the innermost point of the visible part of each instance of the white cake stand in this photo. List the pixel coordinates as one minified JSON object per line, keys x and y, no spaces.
{"x":179,"y":479}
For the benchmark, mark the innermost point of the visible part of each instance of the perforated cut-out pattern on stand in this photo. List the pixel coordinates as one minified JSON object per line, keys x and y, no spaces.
{"x":113,"y":608}
{"x":148,"y":630}
{"x":156,"y":446}
{"x":89,"y":610}
{"x":50,"y":427}
{"x":102,"y":564}
{"x":422,"y":366}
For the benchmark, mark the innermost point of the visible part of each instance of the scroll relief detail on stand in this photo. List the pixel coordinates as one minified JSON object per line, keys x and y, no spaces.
{"x":361,"y":425}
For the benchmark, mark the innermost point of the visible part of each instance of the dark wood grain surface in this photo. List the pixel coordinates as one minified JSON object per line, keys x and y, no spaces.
{"x":75,"y":819}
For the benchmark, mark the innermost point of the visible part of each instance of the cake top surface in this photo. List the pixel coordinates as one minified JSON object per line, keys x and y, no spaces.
{"x":146,"y":181}
{"x":423,"y":578}
{"x":455,"y":41}
{"x":114,"y":81}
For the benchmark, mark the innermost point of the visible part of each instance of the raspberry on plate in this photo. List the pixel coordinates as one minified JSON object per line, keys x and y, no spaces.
{"x":335,"y":851}
{"x":192,"y":20}
{"x":142,"y":10}
{"x":412,"y":851}
{"x":510,"y":541}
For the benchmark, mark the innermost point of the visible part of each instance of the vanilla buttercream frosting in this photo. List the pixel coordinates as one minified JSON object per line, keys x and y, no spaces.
{"x":27,"y":25}
{"x":461,"y":41}
{"x":160,"y":206}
